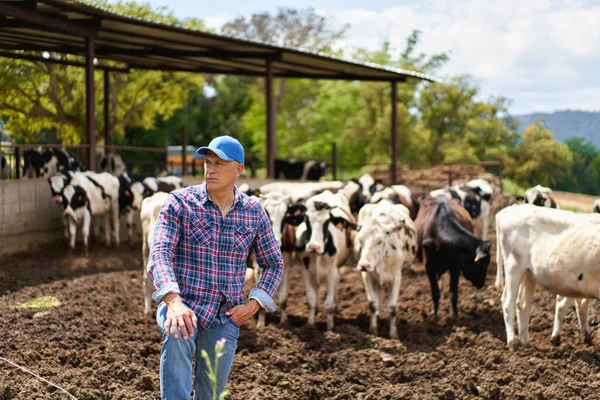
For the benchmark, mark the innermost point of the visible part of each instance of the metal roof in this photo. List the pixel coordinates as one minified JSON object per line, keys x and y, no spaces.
{"x":61,"y":26}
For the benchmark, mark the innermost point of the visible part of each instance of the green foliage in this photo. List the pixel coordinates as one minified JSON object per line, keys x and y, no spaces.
{"x":539,"y":159}
{"x":37,"y":97}
{"x":511,"y":187}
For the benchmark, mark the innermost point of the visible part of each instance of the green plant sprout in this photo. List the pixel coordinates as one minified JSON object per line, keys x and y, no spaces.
{"x":213,"y":370}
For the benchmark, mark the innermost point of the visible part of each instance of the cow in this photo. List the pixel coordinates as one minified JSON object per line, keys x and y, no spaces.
{"x":47,"y":162}
{"x":299,"y":170}
{"x":94,"y":195}
{"x":285,"y":218}
{"x":113,"y":164}
{"x":146,"y":186}
{"x":446,"y":243}
{"x":149,"y":211}
{"x":323,"y":243}
{"x":540,"y":196}
{"x":126,"y":207}
{"x":518,"y":229}
{"x":597,"y":206}
{"x":398,"y":194}
{"x":4,"y":167}
{"x":387,"y":241}
{"x":299,"y":192}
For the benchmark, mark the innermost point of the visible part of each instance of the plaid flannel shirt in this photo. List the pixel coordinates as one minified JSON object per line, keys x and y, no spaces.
{"x":202,"y":256}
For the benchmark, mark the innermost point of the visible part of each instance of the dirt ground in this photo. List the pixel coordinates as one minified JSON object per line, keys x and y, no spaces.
{"x":98,"y":345}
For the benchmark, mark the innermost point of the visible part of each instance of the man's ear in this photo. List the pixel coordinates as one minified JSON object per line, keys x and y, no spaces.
{"x":239,"y":170}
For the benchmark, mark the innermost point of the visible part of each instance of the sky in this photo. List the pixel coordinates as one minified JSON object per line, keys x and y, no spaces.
{"x":542,"y":55}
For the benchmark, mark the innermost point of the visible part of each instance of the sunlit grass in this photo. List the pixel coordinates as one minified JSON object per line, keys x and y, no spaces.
{"x":40,"y":302}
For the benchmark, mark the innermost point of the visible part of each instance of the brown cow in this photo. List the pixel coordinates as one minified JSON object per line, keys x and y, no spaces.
{"x":446,"y":243}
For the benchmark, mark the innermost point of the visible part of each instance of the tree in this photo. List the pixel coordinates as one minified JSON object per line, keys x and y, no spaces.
{"x":584,"y":173}
{"x":540,"y":159}
{"x":36,"y":96}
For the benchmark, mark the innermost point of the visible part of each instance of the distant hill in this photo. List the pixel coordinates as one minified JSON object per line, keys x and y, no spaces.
{"x":567,"y":124}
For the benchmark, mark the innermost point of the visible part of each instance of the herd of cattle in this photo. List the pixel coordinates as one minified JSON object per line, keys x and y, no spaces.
{"x":381,"y":230}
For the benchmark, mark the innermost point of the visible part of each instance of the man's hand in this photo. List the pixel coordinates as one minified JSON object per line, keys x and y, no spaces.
{"x":178,"y":315}
{"x":243,"y":312}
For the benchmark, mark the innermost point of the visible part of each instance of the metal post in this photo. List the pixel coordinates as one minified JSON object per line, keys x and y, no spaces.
{"x":270,"y":122}
{"x":184,"y":140}
{"x":106,"y":109}
{"x":90,"y":110}
{"x":334,"y":160}
{"x":394,"y":174}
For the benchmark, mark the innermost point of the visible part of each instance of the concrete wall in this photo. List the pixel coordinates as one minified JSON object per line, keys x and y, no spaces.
{"x":29,"y":217}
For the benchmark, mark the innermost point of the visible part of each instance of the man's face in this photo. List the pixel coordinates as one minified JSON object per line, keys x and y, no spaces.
{"x":220,"y":174}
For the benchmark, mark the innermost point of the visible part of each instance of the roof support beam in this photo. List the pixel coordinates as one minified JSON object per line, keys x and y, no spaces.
{"x":271,"y":129}
{"x":394,"y":166}
{"x":48,"y":21}
{"x":90,"y":106}
{"x":60,"y":62}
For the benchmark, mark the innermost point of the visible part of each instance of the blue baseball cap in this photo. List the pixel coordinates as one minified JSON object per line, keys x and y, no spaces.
{"x":226,"y":147}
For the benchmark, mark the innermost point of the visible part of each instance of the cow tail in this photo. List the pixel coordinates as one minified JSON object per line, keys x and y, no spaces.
{"x":499,"y":258}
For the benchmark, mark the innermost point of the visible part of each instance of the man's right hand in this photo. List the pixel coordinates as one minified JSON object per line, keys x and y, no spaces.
{"x":179,"y":315}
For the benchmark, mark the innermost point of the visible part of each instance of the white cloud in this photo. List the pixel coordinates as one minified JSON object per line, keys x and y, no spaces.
{"x":510,"y":47}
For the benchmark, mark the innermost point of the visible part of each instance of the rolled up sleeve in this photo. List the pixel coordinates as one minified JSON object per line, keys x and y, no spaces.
{"x":162,"y":251}
{"x":269,"y":258}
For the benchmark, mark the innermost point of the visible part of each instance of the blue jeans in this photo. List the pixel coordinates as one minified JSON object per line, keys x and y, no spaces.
{"x":178,"y":356}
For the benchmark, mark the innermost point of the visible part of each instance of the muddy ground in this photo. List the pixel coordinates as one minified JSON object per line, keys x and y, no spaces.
{"x":98,"y":345}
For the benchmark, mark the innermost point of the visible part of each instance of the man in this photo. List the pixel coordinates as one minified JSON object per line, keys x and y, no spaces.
{"x":198,"y":263}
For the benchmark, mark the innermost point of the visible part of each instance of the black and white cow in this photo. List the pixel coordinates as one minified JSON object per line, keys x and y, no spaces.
{"x":540,"y":196}
{"x":94,"y":195}
{"x":398,"y":194}
{"x":47,"y":162}
{"x":143,"y":187}
{"x":4,"y":167}
{"x":446,"y":243}
{"x":597,"y":206}
{"x":387,"y":241}
{"x":113,"y":164}
{"x":324,"y":243}
{"x":302,"y":170}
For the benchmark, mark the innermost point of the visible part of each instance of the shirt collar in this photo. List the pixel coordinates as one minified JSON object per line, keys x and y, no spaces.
{"x":240,"y":198}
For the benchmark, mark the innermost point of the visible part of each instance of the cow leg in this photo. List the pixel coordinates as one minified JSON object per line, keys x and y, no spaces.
{"x":283,"y":288}
{"x":311,"y":283}
{"x":65,"y":221}
{"x":72,"y":235}
{"x":116,"y":224}
{"x":106,"y":219}
{"x":562,"y":306}
{"x":85,"y":232}
{"x":261,"y":322}
{"x":148,"y":287}
{"x":372,"y":289}
{"x":394,"y":294}
{"x":454,"y":275}
{"x":435,"y":290}
{"x":129,"y":222}
{"x":499,"y":282}
{"x":509,"y":297}
{"x":524,"y":304}
{"x":333,"y":278}
{"x":582,"y":307}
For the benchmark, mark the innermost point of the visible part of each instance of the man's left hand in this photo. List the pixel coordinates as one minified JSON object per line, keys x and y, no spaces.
{"x":243,"y":312}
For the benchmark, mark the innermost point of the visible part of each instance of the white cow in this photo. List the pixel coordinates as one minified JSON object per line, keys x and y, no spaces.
{"x":149,"y":214}
{"x":388,"y":242}
{"x":518,"y":229}
{"x":566,"y":265}
{"x":324,"y":244}
{"x":300,"y":191}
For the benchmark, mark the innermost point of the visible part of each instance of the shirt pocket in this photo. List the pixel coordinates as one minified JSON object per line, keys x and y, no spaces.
{"x":200,"y":233}
{"x":242,"y":240}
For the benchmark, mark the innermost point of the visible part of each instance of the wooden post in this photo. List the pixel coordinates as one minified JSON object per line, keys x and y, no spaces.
{"x":184,"y":140}
{"x":106,"y":110}
{"x":90,"y":106}
{"x":270,"y":122}
{"x":394,"y":174}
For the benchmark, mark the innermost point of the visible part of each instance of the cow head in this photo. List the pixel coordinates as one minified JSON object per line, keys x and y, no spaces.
{"x":75,"y":202}
{"x":472,"y":203}
{"x":126,"y":197}
{"x":369,"y":186}
{"x":476,"y":270}
{"x":377,"y":242}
